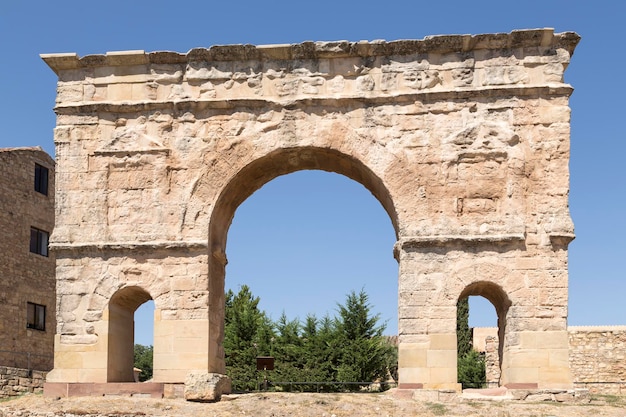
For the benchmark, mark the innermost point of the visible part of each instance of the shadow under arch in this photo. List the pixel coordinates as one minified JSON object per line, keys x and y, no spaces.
{"x":249,"y":179}
{"x":121,"y":337}
{"x":501,"y":302}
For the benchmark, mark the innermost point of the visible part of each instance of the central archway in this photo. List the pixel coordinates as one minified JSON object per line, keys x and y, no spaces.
{"x":241,"y":186}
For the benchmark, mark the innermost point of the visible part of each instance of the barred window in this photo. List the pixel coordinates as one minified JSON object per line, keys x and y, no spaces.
{"x":35,"y":316}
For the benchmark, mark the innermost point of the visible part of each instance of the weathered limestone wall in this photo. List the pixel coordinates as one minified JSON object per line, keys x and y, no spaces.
{"x":596,"y":356}
{"x":464,"y":140}
{"x":174,"y":283}
{"x":26,"y":277}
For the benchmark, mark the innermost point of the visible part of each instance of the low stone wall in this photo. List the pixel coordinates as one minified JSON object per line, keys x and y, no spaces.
{"x":597,"y":357}
{"x":17,"y":381}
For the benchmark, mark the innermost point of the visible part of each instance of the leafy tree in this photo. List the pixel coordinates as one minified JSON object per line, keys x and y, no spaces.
{"x":470,"y":363}
{"x":288,"y":351}
{"x":320,"y":350}
{"x":247,"y":334}
{"x":364,"y":350}
{"x":471,"y":370}
{"x":143,"y":360}
{"x":309,"y":349}
{"x":347,"y":348}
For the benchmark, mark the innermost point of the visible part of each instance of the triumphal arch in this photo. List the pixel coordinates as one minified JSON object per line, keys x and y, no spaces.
{"x":464,"y":140}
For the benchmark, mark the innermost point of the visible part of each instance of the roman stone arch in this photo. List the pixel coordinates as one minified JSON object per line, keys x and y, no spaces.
{"x":463,"y":139}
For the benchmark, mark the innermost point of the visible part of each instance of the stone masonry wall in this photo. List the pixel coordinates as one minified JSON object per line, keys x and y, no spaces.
{"x":596,"y":355}
{"x":26,"y":276}
{"x":492,"y":363}
{"x":17,"y":381}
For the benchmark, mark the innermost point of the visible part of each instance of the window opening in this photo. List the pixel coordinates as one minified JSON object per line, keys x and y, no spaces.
{"x":35,"y":316}
{"x":41,"y":179}
{"x":39,"y":241}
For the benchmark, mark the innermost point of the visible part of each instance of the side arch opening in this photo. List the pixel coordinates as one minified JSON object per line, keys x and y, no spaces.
{"x":121,"y":337}
{"x":501,"y":302}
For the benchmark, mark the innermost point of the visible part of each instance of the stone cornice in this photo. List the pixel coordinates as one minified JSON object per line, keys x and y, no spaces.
{"x":561,"y":238}
{"x":422,"y":96}
{"x":320,"y":50}
{"x":446,"y":240}
{"x":521,"y":63}
{"x":120,"y":246}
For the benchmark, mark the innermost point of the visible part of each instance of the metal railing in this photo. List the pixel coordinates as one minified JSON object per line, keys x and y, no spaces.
{"x":326,"y":386}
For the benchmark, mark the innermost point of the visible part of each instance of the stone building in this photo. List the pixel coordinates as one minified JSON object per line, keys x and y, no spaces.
{"x":27,"y":287}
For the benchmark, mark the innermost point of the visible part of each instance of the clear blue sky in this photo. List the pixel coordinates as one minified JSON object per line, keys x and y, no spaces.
{"x":304,"y":240}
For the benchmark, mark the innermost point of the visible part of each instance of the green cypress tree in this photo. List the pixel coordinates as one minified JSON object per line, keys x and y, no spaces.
{"x":363,"y":348}
{"x":247,"y":334}
{"x":463,"y":331}
{"x":316,"y":351}
{"x":288,"y":351}
{"x":470,"y":363}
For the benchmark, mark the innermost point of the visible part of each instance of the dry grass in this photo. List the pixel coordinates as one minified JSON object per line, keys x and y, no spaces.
{"x":305,"y":405}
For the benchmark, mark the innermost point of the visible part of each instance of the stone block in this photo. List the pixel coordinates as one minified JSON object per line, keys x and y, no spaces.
{"x":564,"y":397}
{"x":519,"y":394}
{"x":555,"y":377}
{"x":531,"y":358}
{"x":449,"y":395}
{"x":408,"y":375}
{"x":405,"y":393}
{"x":206,"y":387}
{"x":172,"y":391}
{"x":559,"y":358}
{"x":93,"y":375}
{"x":582,"y":395}
{"x":443,"y":376}
{"x":68,"y":360}
{"x":441,"y":358}
{"x":511,"y":375}
{"x":544,"y":340}
{"x":411,"y":357}
{"x":190,"y":344}
{"x":443,"y":341}
{"x":539,"y":397}
{"x":171,"y":375}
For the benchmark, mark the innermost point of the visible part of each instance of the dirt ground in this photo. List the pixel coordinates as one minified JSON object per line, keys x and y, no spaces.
{"x":292,"y":404}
